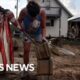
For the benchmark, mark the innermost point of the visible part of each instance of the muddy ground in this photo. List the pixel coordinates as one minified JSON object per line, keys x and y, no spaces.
{"x":64,"y":67}
{"x":67,"y":67}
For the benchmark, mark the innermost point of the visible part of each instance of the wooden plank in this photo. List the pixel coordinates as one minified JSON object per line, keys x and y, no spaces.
{"x":45,"y":67}
{"x":42,"y":51}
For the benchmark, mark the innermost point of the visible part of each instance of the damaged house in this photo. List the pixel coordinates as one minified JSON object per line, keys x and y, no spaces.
{"x":57,"y":18}
{"x":74,"y":27}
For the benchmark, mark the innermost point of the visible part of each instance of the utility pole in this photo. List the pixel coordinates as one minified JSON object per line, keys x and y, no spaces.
{"x":16,"y":9}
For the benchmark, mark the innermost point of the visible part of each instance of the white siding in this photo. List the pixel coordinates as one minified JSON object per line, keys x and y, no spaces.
{"x":52,"y":4}
{"x":64,"y":23}
{"x":54,"y":31}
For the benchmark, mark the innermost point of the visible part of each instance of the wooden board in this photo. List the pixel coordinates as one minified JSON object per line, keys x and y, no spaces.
{"x":42,"y":51}
{"x":45,"y":67}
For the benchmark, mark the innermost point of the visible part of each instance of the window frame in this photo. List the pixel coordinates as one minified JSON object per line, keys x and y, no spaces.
{"x":50,"y":22}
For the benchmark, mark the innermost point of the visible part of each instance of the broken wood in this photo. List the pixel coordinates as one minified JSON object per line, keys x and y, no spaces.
{"x":61,"y":51}
{"x":44,"y":67}
{"x":42,"y":51}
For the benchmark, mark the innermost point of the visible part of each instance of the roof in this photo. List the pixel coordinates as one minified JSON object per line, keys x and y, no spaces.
{"x":69,"y":13}
{"x":75,"y":18}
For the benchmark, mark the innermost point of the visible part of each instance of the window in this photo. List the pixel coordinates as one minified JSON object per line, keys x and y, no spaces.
{"x":43,"y":1}
{"x":50,"y":22}
{"x":47,"y":3}
{"x":46,"y":0}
